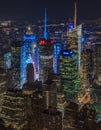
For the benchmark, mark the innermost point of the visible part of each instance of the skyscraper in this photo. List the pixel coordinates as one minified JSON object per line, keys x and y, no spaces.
{"x":15,"y":69}
{"x":13,"y":109}
{"x":49,"y":95}
{"x":3,"y":84}
{"x":45,"y":58}
{"x":56,"y":53}
{"x":96,"y":78}
{"x":29,"y":54}
{"x":97,"y":63}
{"x":75,"y":43}
{"x":52,"y":119}
{"x":7,"y":60}
{"x":33,"y":100}
{"x":45,"y":54}
{"x":22,"y":109}
{"x":69,"y":74}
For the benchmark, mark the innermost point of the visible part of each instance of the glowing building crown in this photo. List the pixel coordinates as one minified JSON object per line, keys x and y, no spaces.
{"x":29,"y":31}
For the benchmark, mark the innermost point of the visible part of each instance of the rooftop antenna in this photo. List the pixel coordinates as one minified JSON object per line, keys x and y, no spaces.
{"x":75,"y":14}
{"x":45,"y":25}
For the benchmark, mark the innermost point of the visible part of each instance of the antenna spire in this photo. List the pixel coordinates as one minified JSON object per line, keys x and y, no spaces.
{"x":75,"y":14}
{"x":45,"y":25}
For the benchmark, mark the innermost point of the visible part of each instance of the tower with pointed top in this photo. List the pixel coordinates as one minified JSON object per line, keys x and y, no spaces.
{"x":45,"y":34}
{"x":75,"y":14}
{"x":45,"y":53}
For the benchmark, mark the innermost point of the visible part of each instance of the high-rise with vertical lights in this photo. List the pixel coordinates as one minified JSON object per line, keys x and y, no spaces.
{"x":69,"y":74}
{"x":29,"y":54}
{"x":45,"y":54}
{"x":75,"y":44}
{"x":45,"y":58}
{"x":7,"y":60}
{"x":96,"y":64}
{"x":57,"y":49}
{"x":15,"y":70}
{"x":96,"y":80}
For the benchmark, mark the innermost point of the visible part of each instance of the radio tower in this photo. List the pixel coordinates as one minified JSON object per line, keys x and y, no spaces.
{"x":45,"y":25}
{"x":75,"y":14}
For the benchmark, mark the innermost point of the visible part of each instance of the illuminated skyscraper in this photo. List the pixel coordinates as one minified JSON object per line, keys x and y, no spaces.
{"x":29,"y":54}
{"x":13,"y":110}
{"x":45,"y":55}
{"x":15,"y":69}
{"x":75,"y":44}
{"x":7,"y":60}
{"x":69,"y":74}
{"x":97,"y":63}
{"x":3,"y":84}
{"x":57,"y":49}
{"x":96,"y":78}
{"x":45,"y":58}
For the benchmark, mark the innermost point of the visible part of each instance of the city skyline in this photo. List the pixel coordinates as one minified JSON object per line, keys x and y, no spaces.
{"x":33,"y":9}
{"x":50,"y":65}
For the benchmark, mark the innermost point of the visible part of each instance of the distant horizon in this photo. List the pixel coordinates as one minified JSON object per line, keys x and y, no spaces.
{"x":50,"y":21}
{"x":42,"y":18}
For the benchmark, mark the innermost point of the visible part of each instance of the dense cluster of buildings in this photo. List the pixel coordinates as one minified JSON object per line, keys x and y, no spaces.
{"x":51,"y":82}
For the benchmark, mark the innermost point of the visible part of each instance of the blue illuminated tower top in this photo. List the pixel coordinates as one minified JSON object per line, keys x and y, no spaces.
{"x":45,"y":35}
{"x":29,"y":35}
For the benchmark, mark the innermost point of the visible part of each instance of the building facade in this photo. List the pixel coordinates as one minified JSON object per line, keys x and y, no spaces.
{"x":29,"y":54}
{"x":45,"y":58}
{"x":52,"y":119}
{"x":69,"y":74}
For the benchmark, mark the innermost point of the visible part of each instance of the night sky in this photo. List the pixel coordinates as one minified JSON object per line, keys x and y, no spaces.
{"x":56,"y":9}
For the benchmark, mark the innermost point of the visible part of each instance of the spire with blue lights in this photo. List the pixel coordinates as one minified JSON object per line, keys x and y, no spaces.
{"x":45,"y":35}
